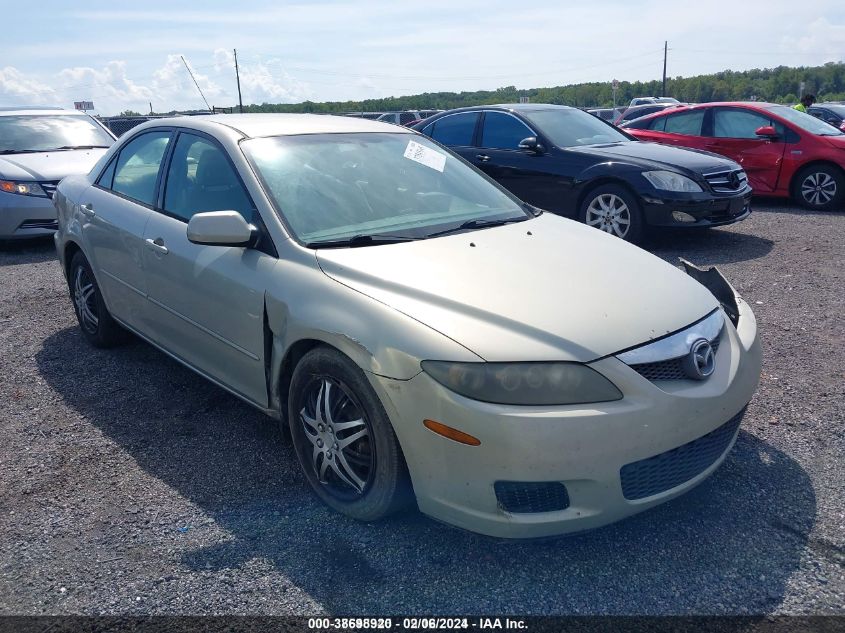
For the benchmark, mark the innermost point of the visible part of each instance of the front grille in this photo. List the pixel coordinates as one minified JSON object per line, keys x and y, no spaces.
{"x":663,"y":472}
{"x":52,"y":225}
{"x":49,"y":187}
{"x":671,"y":369}
{"x":531,"y":496}
{"x":727,"y":181}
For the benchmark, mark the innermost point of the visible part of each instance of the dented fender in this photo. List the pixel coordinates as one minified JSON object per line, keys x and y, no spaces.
{"x":308,"y":305}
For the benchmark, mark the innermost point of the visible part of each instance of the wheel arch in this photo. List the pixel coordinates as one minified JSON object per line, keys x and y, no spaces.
{"x":793,"y":183}
{"x":600,"y":182}
{"x":71,"y":248}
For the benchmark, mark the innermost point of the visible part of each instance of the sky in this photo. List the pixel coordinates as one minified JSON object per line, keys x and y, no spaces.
{"x":123,"y":55}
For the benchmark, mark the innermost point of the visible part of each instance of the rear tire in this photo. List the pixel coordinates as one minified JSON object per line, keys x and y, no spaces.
{"x":615,"y":210}
{"x":343,"y":438}
{"x":97,"y":325}
{"x":820,"y":187}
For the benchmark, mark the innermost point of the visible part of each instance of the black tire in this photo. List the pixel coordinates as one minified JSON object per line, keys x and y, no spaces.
{"x":613,"y":197}
{"x":820,"y":187}
{"x":97,"y":325}
{"x":376,"y":478}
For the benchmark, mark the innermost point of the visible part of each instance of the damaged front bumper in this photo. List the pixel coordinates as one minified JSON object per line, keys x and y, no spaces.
{"x":568,"y":445}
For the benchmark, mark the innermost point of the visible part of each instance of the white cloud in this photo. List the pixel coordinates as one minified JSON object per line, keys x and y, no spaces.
{"x":261,"y":81}
{"x":19,"y":89}
{"x":822,"y":38}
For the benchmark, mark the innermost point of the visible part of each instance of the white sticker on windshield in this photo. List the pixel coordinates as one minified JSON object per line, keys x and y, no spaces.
{"x":425,"y":156}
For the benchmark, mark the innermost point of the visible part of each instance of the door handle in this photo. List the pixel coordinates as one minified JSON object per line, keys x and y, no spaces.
{"x":482,"y":157}
{"x":157,"y":245}
{"x":87,"y":209}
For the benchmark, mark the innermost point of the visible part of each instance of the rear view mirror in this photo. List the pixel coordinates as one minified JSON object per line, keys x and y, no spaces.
{"x":767,"y":131}
{"x":531,"y":144}
{"x":221,"y":228}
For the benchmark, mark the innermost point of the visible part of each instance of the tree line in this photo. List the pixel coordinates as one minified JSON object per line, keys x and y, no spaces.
{"x":780,"y":85}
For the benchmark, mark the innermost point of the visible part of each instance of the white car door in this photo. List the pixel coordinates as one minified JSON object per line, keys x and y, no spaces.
{"x":206,"y":303}
{"x":114,"y":212}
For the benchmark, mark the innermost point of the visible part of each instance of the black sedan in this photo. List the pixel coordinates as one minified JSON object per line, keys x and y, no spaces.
{"x":574,"y":164}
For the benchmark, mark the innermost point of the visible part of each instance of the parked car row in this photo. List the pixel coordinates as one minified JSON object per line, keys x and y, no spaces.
{"x":784,"y":152}
{"x":571,"y":163}
{"x":421,"y":333}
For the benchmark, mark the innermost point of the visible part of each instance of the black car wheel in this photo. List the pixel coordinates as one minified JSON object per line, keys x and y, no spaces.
{"x":343,"y":438}
{"x":613,"y":209}
{"x":97,"y":325}
{"x":820,"y":187}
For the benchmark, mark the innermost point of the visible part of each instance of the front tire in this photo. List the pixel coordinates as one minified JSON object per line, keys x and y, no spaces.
{"x":820,"y":187}
{"x":613,"y":209}
{"x":343,"y":438}
{"x":97,"y":325}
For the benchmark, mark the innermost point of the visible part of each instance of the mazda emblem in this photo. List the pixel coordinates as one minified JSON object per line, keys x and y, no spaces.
{"x":700,"y":363}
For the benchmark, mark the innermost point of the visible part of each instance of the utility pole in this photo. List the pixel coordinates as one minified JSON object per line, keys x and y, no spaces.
{"x":665,"y":51}
{"x":195,"y":83}
{"x":238,"y":78}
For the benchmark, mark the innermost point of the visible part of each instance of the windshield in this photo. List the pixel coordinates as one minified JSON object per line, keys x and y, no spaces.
{"x":806,"y":122}
{"x":40,"y":133}
{"x":331,"y":187}
{"x":571,"y":128}
{"x":839,"y":110}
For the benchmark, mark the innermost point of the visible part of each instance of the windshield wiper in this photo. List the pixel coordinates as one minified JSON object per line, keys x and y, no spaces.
{"x":477,"y":224}
{"x":360,"y":240}
{"x":23,"y":151}
{"x":64,"y":147}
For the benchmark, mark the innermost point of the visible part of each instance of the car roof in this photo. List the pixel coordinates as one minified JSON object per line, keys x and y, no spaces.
{"x":270,"y":124}
{"x":509,"y":107}
{"x":9,"y":111}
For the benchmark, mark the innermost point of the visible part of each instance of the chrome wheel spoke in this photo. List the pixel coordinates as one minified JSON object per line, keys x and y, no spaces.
{"x":343,"y":470}
{"x":309,"y":421}
{"x":346,"y":441}
{"x":345,"y":426}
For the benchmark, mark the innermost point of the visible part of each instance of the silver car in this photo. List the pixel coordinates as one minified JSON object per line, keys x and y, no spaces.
{"x":39,"y":147}
{"x":421,"y":333}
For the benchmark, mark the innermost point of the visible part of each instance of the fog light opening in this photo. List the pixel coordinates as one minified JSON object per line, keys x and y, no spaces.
{"x":450,"y":433}
{"x":680,"y":216}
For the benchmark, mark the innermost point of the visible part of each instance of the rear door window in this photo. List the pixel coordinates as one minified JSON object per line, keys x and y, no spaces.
{"x":455,"y":129}
{"x":688,"y":123}
{"x":137,"y":167}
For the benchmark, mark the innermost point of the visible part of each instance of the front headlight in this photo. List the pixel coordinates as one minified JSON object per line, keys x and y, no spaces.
{"x":22,"y":188}
{"x":524,"y":383}
{"x":671,"y":181}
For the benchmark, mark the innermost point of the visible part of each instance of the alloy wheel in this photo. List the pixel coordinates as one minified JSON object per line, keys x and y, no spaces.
{"x":818,"y":188}
{"x":85,"y":299}
{"x":343,"y":453}
{"x":609,"y":213}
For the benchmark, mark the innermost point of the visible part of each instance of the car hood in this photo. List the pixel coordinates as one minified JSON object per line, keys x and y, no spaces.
{"x":49,"y":165}
{"x":656,"y":156}
{"x":545,"y":289}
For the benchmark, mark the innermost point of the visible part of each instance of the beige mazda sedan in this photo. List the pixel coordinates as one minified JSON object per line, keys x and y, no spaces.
{"x":421,"y":333}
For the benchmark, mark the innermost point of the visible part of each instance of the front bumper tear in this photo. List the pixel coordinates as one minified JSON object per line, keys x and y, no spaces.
{"x":716,"y":283}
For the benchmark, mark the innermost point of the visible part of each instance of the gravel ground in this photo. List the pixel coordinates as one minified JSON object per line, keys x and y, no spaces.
{"x":128,"y":485}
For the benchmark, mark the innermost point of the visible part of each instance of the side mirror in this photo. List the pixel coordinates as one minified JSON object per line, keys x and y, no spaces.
{"x":767,"y":131}
{"x":221,"y":228}
{"x":531,"y":144}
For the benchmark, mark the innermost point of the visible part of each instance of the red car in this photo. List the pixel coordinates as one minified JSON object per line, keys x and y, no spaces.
{"x":784,"y":152}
